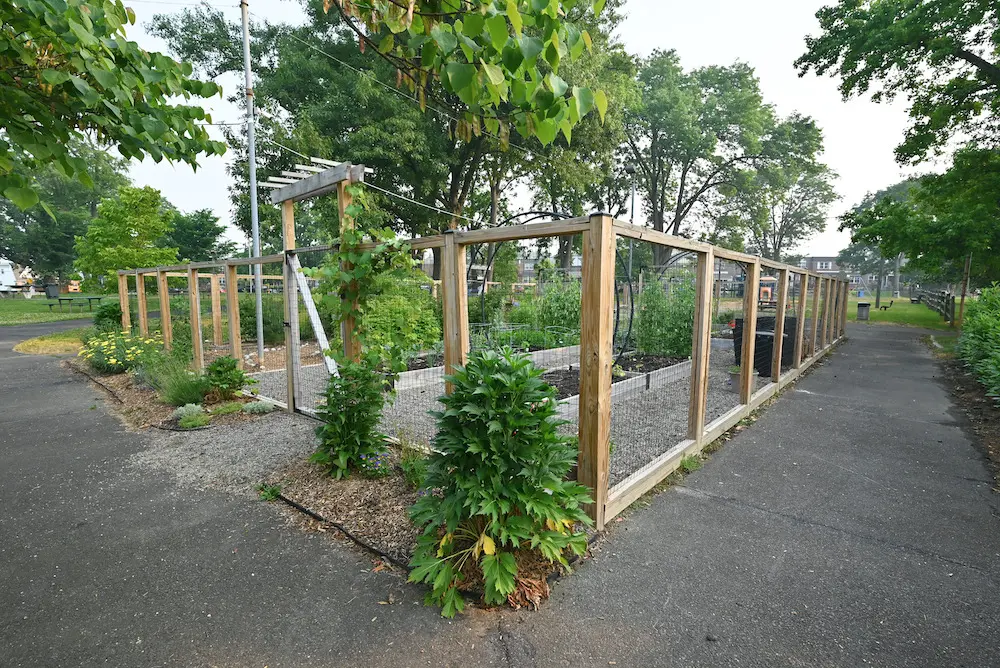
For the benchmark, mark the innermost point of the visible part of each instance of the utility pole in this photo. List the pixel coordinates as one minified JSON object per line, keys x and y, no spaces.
{"x":252,"y":162}
{"x":895,"y":276}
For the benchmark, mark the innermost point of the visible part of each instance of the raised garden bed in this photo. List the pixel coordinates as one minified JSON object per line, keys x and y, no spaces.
{"x":642,"y":363}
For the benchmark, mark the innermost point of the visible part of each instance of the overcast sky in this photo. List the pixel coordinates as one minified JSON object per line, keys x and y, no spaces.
{"x":768,"y":34}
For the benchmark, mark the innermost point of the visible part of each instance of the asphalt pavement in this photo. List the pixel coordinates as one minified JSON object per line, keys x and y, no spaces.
{"x":852,"y":524}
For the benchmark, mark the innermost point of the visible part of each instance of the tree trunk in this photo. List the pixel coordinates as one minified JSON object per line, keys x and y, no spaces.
{"x":878,"y":287}
{"x":895,"y":277}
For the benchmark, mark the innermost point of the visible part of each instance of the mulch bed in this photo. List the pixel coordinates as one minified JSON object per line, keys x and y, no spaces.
{"x":981,"y":411}
{"x":274,"y":357}
{"x":376,"y":511}
{"x":140,"y":407}
{"x":647,"y":363}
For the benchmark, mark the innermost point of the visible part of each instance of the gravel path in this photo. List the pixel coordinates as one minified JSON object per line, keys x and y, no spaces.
{"x":233,"y":457}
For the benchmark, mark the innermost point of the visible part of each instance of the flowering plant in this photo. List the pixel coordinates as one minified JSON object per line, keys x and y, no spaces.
{"x":117,"y":352}
{"x":375,"y":465}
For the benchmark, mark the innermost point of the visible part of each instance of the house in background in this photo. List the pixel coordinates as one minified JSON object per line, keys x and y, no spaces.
{"x":828,"y":266}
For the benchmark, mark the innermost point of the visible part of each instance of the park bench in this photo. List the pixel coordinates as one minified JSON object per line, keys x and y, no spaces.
{"x":79,"y":301}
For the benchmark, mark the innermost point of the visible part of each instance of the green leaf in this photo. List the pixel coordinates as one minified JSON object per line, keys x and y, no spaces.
{"x":514,"y":16}
{"x":601,"y":100}
{"x":530,"y":47}
{"x":54,"y":77}
{"x":584,"y":99}
{"x":493,"y":73}
{"x":556,"y":84}
{"x":446,"y":41}
{"x":599,"y":6}
{"x":546,"y":130}
{"x":472,"y":24}
{"x":23,"y":198}
{"x":460,"y":75}
{"x":497,"y":27}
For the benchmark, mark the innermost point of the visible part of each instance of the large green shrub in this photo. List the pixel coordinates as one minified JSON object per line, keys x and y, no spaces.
{"x":980,"y":341}
{"x":108,"y":317}
{"x":559,"y":303}
{"x":665,"y":318}
{"x":117,"y":352}
{"x":498,"y":474}
{"x":226,"y":379}
{"x":351,"y":414}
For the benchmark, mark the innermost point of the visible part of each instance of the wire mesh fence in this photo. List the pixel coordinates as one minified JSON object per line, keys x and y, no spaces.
{"x":656,"y":292}
{"x":531,"y":303}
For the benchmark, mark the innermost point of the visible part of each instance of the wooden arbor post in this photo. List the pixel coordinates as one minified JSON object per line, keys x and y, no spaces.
{"x":166,"y":327}
{"x":779,"y":326}
{"x":817,"y":287}
{"x":123,"y":301}
{"x":800,"y":321}
{"x":751,"y":287}
{"x":454,"y":305}
{"x":140,"y":294}
{"x":596,"y":332}
{"x":700,"y":345}
{"x":233,"y":311}
{"x":292,"y":351}
{"x":194,"y":299}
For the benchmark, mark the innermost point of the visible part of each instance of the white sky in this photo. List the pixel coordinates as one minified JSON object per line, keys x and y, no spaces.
{"x":768,"y":34}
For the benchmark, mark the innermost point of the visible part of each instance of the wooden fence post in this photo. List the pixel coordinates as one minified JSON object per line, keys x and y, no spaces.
{"x":779,"y":326}
{"x":596,"y":333}
{"x":701,"y":343}
{"x":751,"y":290}
{"x":817,"y":294}
{"x":831,"y":302}
{"x":194,"y":299}
{"x":455,"y":305}
{"x":348,"y":327}
{"x":800,"y":321}
{"x":216,"y":311}
{"x":233,"y":311}
{"x":123,"y":301}
{"x":166,"y":326}
{"x":846,"y":289}
{"x":291,"y":295}
{"x":140,"y":295}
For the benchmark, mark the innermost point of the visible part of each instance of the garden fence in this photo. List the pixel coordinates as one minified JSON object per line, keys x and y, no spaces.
{"x":657,"y":344}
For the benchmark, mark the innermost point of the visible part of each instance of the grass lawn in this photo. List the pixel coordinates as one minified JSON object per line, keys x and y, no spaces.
{"x":60,"y":343}
{"x":901,"y":313}
{"x":947,"y":345}
{"x":20,"y":311}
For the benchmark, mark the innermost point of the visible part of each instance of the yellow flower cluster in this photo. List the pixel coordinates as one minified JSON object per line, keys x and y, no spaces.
{"x":117,"y":351}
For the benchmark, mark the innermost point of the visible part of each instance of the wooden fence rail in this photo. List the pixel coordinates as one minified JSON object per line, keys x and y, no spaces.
{"x":821,"y":299}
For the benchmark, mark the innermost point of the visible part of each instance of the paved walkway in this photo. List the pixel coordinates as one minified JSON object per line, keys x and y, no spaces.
{"x":853,"y":524}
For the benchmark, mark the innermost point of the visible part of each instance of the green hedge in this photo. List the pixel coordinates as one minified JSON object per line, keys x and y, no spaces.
{"x":979,"y":345}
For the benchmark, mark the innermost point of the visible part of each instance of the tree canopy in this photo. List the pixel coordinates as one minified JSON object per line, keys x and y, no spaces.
{"x":943,"y":56}
{"x":126,"y":234}
{"x":67,"y":71}
{"x":198,"y":237}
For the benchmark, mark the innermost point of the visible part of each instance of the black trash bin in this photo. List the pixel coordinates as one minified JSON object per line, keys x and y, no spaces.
{"x":764,"y":345}
{"x":52,"y":291}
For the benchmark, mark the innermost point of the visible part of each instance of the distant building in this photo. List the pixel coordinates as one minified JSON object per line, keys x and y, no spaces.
{"x":828,"y":266}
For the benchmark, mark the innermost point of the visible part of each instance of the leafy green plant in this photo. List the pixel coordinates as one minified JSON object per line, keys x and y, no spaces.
{"x":258,"y":407}
{"x":194,"y":421}
{"x":498,"y":472}
{"x":666,"y":318}
{"x":414,"y":464}
{"x":227,"y":408}
{"x":117,"y":352}
{"x":560,"y":303}
{"x":979,"y":345}
{"x":174,"y":382}
{"x":108,"y":317}
{"x":226,"y":379}
{"x":187,"y":410}
{"x":350,"y":414}
{"x":268,"y":492}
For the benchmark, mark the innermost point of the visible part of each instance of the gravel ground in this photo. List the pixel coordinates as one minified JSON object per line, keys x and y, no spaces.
{"x":232,"y":457}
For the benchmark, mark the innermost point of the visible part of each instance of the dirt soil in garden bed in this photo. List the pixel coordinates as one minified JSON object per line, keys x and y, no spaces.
{"x":374,"y":510}
{"x":417,"y":363}
{"x":981,"y":412}
{"x":567,"y":381}
{"x":140,"y":407}
{"x":647,"y":363}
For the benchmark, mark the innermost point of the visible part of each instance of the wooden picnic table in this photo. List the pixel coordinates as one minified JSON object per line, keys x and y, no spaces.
{"x":75,"y":300}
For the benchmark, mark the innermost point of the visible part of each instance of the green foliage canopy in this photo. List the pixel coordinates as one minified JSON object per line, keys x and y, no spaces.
{"x":66,"y":70}
{"x":942,"y":55}
{"x":125,"y":234}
